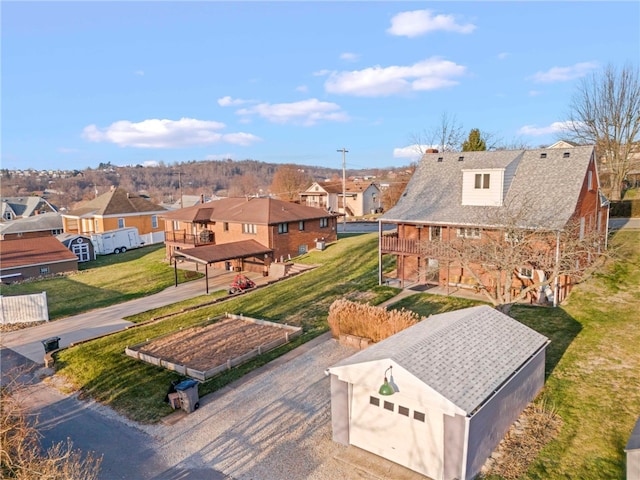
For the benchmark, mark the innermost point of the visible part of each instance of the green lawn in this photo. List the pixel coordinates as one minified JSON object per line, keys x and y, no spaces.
{"x":108,"y":280}
{"x":592,"y":362}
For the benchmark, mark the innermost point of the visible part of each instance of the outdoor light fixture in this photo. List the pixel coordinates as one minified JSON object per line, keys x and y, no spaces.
{"x":386,"y":389}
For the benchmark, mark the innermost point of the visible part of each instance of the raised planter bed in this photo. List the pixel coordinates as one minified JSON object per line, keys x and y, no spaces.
{"x":204,"y":351}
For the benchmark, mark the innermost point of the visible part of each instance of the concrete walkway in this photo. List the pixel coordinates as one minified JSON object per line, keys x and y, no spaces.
{"x":28,"y":342}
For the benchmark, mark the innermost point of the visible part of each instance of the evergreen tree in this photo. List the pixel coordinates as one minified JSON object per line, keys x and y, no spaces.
{"x":475,"y":142}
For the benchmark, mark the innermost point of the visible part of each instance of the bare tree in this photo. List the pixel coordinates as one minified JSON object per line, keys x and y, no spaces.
{"x":21,"y":455}
{"x":605,"y":112}
{"x":289,"y":181}
{"x":447,"y":136}
{"x":510,"y":263}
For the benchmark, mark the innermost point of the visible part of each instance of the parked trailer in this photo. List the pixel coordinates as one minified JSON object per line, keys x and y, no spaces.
{"x":116,"y":241}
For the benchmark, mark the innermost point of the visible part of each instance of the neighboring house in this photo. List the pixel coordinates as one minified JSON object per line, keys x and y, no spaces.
{"x":117,"y":209}
{"x":23,"y":207}
{"x":361,"y":197}
{"x":465,"y":195}
{"x":81,"y":246}
{"x":458,"y":381}
{"x":34,"y":257}
{"x":246,"y":233}
{"x":43,"y":225}
{"x":189,"y":201}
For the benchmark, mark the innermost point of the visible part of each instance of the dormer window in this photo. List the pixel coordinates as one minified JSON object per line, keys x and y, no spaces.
{"x":482,"y":180}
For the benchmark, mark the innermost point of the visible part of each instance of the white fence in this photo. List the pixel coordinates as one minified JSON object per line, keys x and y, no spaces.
{"x":24,"y":308}
{"x":152,"y":238}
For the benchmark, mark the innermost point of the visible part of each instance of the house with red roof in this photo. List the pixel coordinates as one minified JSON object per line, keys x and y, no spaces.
{"x":34,"y":257}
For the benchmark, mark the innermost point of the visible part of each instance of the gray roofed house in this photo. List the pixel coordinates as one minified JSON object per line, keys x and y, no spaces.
{"x":45,"y":224}
{"x":460,"y":379}
{"x":22,"y":207}
{"x":462,"y":194}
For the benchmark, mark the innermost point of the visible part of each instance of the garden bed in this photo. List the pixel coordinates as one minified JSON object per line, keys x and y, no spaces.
{"x":204,"y":351}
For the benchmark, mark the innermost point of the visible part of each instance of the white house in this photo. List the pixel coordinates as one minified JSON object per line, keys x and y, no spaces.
{"x":458,"y":381}
{"x":360,"y":198}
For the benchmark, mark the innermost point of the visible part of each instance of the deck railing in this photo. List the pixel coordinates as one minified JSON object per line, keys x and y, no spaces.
{"x":205,"y":237}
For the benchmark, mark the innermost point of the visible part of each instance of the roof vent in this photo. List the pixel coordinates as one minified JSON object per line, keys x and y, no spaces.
{"x":566,"y":154}
{"x":460,"y":159}
{"x":439,"y":159}
{"x":543,"y":155}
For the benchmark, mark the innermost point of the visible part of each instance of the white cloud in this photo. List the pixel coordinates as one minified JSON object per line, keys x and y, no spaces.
{"x":413,"y":152}
{"x":155,"y":133}
{"x":349,"y":57}
{"x":419,"y":22}
{"x":150,"y":163}
{"x":302,"y":88}
{"x":321,"y":73}
{"x":536,"y":131}
{"x":140,"y":73}
{"x":431,"y":74}
{"x":502,"y":55}
{"x":563,"y":74}
{"x":306,"y":112}
{"x":219,"y":156}
{"x":230,"y":102}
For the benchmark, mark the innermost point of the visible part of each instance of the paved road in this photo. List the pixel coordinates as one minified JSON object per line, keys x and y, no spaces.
{"x":624,"y":223}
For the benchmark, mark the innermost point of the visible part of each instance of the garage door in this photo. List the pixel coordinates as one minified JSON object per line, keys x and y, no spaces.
{"x":394,"y":428}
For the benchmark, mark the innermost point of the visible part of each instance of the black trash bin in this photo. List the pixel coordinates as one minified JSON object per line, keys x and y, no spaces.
{"x":187,"y":391}
{"x":51,"y":344}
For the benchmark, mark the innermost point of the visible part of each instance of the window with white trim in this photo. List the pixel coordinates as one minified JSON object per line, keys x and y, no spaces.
{"x":324,"y":222}
{"x":590,"y":180}
{"x":154,"y":221}
{"x":249,"y":228}
{"x":525,"y":272}
{"x":283,"y":228}
{"x":121,"y":223}
{"x":482,"y":180}
{"x":468,"y":232}
{"x":44,"y":270}
{"x":301,"y":225}
{"x":95,"y":225}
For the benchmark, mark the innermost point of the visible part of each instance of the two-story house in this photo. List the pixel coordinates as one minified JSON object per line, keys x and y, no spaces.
{"x":116,"y":209}
{"x":13,"y":208}
{"x":476,"y":196}
{"x":355,"y":199}
{"x":246,"y":233}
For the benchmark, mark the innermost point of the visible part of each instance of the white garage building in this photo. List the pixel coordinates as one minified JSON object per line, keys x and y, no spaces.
{"x":459,"y":380}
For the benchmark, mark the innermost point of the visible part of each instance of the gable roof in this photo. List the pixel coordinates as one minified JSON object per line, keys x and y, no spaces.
{"x":33,"y":251}
{"x":464,"y":355}
{"x":115,"y":202}
{"x":224,"y":251}
{"x":336,"y":187}
{"x":24,"y":206}
{"x":37,"y":223}
{"x":260,"y":211}
{"x":545,"y":189}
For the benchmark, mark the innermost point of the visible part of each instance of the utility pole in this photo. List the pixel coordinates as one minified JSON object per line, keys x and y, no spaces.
{"x":344,"y":188}
{"x":179,"y":186}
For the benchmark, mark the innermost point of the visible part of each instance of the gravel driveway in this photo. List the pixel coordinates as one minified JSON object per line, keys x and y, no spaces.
{"x":276,"y":425}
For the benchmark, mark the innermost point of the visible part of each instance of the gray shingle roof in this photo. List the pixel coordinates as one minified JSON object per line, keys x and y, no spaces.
{"x":464,"y":355}
{"x":546,"y":189}
{"x":37,"y":223}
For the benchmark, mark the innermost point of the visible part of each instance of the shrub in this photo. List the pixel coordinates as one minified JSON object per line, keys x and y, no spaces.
{"x":363,"y":320}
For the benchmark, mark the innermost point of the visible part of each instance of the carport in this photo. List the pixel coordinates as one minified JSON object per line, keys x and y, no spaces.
{"x":209,"y":254}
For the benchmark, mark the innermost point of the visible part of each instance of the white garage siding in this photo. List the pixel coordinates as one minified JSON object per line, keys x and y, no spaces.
{"x":395,"y":428}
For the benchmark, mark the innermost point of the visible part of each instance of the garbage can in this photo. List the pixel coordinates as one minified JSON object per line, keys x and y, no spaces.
{"x":187,"y":391}
{"x":320,"y":245}
{"x":51,"y":344}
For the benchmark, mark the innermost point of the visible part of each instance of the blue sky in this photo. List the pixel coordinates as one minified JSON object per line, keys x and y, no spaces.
{"x":291,"y":82}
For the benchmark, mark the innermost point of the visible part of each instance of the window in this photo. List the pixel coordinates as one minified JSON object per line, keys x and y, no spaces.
{"x":525,"y":272}
{"x":418,"y":416}
{"x":324,"y":222}
{"x":57,"y":231}
{"x":225,"y":226}
{"x":176,"y":225}
{"x":95,"y":225}
{"x":44,"y":270}
{"x":374,"y":401}
{"x":468,"y":232}
{"x":302,"y":249}
{"x":121,"y":223}
{"x":388,"y":406}
{"x":154,"y":221}
{"x":435,"y":233}
{"x":8,"y":215}
{"x":283,"y":228}
{"x":249,"y":228}
{"x":301,"y":225}
{"x":482,"y":180}
{"x":403,"y":410}
{"x":590,"y":180}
